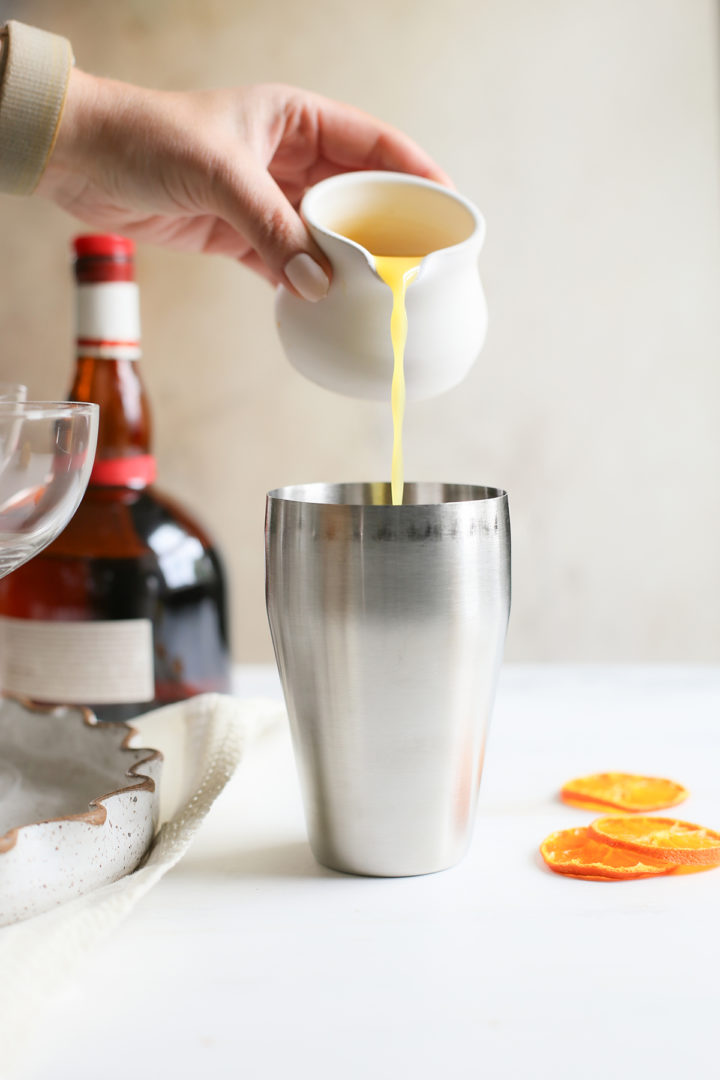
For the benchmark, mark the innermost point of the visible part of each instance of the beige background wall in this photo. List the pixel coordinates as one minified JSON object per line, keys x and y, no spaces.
{"x":587,"y":132}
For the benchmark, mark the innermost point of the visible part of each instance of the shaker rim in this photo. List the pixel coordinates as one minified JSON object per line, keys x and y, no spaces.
{"x":367,"y":495}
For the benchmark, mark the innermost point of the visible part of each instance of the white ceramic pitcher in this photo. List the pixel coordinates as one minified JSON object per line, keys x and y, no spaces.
{"x":343,"y":341}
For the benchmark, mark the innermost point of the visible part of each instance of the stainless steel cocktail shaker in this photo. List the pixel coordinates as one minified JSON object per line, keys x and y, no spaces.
{"x":388,"y":624}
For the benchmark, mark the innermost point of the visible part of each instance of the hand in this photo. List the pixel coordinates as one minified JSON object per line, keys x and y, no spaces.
{"x":219,"y":171}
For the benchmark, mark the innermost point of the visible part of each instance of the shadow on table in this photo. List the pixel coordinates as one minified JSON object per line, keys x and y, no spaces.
{"x":290,"y":860}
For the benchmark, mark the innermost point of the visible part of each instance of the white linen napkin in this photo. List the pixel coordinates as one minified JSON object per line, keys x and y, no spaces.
{"x":203,"y":741}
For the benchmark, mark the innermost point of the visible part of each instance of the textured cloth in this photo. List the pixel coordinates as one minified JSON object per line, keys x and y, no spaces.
{"x":202,"y":741}
{"x":34,"y":72}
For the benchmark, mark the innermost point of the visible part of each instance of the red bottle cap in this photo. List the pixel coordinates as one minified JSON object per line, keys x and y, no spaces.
{"x":107,"y":244}
{"x":104,"y":257}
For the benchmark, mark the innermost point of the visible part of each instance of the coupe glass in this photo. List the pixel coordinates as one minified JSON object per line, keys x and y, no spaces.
{"x":46,"y":454}
{"x":47,"y":450}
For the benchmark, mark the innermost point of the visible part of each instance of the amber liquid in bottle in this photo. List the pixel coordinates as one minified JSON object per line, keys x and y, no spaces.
{"x":130,"y":561}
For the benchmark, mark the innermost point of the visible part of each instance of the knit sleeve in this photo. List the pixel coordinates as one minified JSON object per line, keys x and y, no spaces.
{"x":34,"y":72}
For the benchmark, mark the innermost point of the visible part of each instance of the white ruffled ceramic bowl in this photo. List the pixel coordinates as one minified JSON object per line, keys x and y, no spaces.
{"x":78,"y":805}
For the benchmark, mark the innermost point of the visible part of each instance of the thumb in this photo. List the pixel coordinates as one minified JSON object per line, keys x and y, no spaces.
{"x":259,"y":210}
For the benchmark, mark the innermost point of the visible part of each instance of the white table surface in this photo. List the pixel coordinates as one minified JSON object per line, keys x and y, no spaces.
{"x":249,"y":960}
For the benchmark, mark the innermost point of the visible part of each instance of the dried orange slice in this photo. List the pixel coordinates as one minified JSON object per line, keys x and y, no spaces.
{"x":623,"y":791}
{"x":678,"y":843}
{"x":586,"y":804}
{"x":577,"y":853}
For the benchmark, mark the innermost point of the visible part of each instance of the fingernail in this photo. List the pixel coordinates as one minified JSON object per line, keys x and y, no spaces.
{"x":307,"y":276}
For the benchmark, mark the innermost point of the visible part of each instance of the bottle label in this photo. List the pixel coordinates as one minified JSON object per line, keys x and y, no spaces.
{"x":106,"y":662}
{"x":108,"y":320}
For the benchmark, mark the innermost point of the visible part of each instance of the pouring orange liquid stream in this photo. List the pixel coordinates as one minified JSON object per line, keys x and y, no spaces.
{"x":398,"y":272}
{"x":384,"y":238}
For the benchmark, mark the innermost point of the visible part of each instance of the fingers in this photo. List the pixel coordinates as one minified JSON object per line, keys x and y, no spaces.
{"x":253,"y":262}
{"x":352,"y":139}
{"x":255,"y":206}
{"x":346,"y":138}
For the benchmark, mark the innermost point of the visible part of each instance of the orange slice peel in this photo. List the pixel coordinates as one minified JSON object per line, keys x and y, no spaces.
{"x":623,"y":791}
{"x":678,"y":843}
{"x":577,"y":853}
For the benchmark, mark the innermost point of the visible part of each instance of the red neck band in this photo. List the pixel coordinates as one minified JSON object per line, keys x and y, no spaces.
{"x":132,"y":472}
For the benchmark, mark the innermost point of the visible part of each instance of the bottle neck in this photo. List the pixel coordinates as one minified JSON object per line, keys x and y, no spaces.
{"x":108,"y":320}
{"x":107,"y":372}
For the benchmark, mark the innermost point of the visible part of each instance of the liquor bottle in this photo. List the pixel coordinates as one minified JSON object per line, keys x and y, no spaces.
{"x":126,"y":609}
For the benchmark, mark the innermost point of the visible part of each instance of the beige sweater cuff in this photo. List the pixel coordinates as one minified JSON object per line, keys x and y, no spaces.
{"x":34,"y":73}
